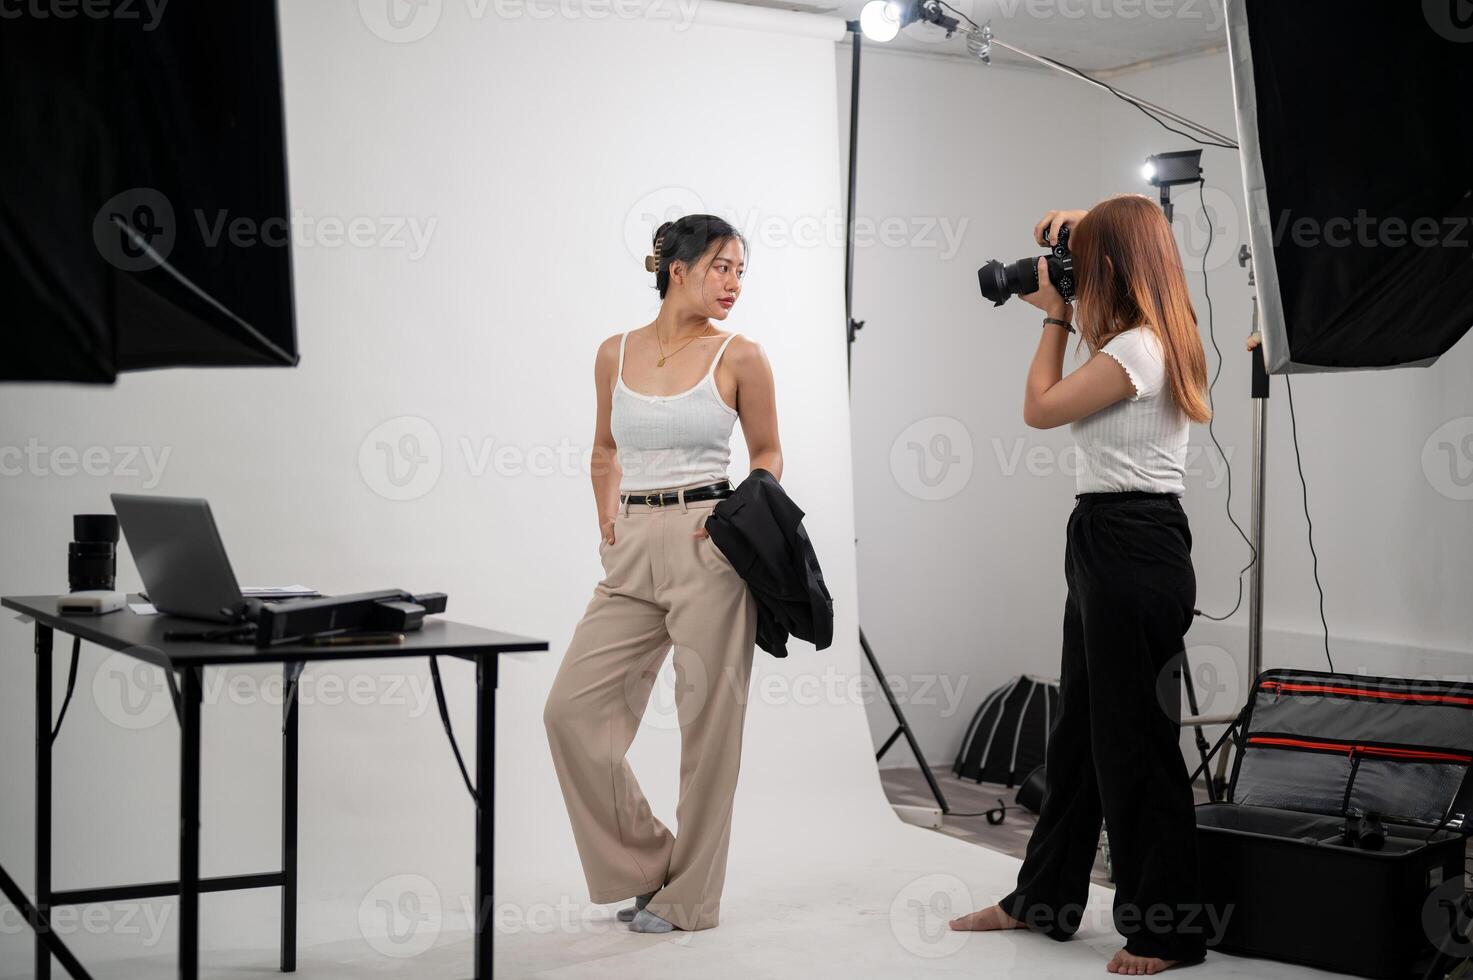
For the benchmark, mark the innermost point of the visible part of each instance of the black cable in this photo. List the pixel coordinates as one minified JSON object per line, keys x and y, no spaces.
{"x":1212,"y":336}
{"x":1304,"y":487}
{"x":994,"y":816}
{"x":959,"y":14}
{"x":445,"y":718}
{"x":1107,"y":87}
{"x":1127,"y":99}
{"x":71,"y":685}
{"x":1159,"y":121}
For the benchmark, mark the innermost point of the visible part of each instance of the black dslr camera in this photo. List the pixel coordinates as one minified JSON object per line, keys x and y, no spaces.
{"x":1019,"y":278}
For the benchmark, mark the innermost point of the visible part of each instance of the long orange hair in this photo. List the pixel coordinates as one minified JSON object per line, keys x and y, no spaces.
{"x":1129,"y":275}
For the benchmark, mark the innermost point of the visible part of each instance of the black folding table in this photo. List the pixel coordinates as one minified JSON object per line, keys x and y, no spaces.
{"x":183,"y":662}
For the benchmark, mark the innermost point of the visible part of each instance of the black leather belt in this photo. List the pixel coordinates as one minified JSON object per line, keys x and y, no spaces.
{"x":658,"y":498}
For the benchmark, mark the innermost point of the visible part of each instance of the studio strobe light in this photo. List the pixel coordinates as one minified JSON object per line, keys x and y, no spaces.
{"x":882,"y":20}
{"x":1166,"y":170}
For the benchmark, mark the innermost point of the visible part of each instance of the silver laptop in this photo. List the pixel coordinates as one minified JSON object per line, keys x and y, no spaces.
{"x":180,"y":557}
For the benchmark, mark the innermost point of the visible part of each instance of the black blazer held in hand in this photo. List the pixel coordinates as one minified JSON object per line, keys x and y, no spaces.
{"x":760,"y":531}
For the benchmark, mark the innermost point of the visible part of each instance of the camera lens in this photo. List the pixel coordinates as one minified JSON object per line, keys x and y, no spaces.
{"x":92,"y":558}
{"x":993,"y":282}
{"x":999,"y":281}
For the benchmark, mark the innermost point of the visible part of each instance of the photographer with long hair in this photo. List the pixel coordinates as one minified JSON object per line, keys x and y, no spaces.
{"x":1114,"y":749}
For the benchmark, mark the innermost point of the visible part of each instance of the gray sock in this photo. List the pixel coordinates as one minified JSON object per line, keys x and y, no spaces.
{"x":647,"y":921}
{"x":627,"y":914}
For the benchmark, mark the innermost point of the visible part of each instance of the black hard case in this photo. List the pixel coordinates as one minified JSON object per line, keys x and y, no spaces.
{"x":1314,"y":746}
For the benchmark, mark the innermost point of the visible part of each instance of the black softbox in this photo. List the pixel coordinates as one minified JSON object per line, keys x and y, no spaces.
{"x":1357,"y":167}
{"x":1008,"y":736}
{"x":143,"y":192}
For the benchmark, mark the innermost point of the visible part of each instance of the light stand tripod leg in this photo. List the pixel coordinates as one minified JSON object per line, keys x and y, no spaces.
{"x":1201,"y":740}
{"x":903,"y":728}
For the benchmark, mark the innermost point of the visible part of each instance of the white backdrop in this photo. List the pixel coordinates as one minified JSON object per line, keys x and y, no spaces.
{"x":505,"y":172}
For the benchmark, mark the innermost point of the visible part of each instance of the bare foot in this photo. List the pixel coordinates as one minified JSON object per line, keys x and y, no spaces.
{"x":1133,"y":965}
{"x":983,"y":920}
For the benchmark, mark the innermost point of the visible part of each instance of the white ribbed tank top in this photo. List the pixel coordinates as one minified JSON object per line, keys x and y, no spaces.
{"x":671,"y":440}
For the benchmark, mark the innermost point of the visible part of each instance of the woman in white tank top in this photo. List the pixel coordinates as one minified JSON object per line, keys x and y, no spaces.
{"x":669,"y":394}
{"x":672,"y":440}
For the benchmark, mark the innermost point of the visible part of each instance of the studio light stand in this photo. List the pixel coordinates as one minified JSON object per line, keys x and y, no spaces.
{"x":1259,"y":393}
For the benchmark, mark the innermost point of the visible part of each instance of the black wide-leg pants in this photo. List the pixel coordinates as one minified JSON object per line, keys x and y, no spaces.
{"x":1114,"y":749}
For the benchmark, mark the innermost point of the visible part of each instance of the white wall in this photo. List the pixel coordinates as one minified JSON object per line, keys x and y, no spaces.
{"x":540,"y":153}
{"x":962,"y":592}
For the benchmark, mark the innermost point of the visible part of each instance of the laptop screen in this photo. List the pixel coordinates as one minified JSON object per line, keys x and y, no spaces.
{"x":177,"y":548}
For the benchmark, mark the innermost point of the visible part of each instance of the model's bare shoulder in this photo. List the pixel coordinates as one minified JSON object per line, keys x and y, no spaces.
{"x":746,"y":356}
{"x":608,"y":353}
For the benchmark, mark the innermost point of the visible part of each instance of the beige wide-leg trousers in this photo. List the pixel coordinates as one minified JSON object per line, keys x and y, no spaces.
{"x":662,"y":586}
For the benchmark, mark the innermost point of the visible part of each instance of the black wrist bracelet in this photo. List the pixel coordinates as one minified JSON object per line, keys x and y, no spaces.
{"x":1063,"y":323}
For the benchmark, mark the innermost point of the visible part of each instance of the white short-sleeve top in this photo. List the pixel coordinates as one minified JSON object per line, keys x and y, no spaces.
{"x":1140,"y":442}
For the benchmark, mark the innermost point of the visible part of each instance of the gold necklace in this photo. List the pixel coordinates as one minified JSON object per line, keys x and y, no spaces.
{"x":664,"y":356}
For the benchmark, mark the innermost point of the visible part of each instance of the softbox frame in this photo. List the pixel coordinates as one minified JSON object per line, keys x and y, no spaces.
{"x":1358,"y":176}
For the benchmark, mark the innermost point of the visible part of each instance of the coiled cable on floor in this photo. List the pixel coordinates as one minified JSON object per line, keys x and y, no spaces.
{"x":994,"y":816}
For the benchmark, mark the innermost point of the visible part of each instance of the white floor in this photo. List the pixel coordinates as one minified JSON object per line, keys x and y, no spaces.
{"x":792,"y":908}
{"x":881,"y":911}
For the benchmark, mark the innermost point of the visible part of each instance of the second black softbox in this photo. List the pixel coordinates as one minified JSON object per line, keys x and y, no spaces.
{"x":1358,"y":172}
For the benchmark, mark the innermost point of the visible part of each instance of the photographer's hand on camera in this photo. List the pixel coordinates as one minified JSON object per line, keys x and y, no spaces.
{"x":1047,"y":298}
{"x":1046,"y":232}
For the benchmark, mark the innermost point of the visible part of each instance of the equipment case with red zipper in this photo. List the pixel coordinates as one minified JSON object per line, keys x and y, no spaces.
{"x":1314,"y":748}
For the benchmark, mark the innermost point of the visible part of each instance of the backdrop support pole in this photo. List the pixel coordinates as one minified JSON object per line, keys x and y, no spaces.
{"x":851,"y":327}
